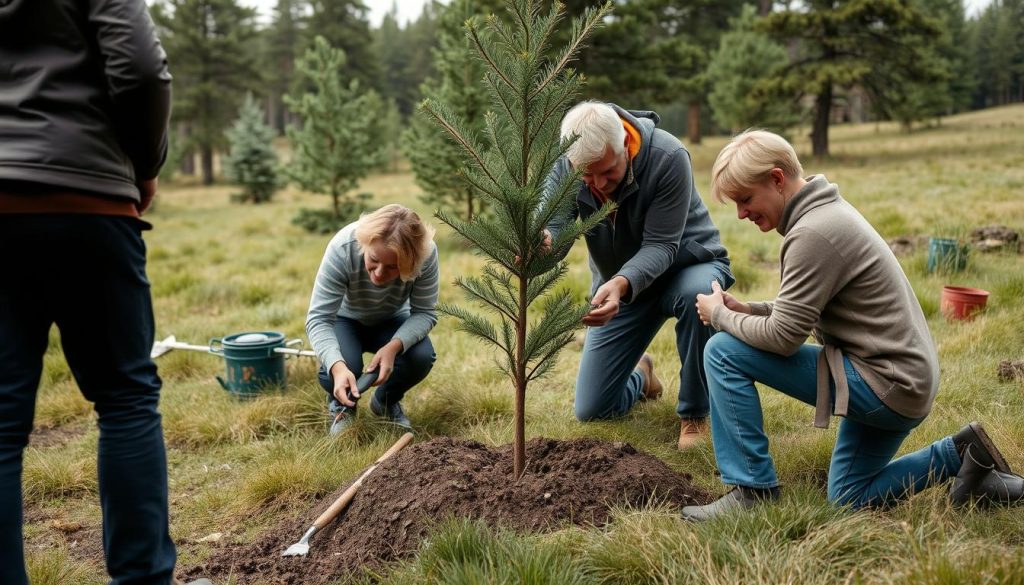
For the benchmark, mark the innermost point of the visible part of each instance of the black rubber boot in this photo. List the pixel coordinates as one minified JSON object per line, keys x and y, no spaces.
{"x":973,"y":436}
{"x":985,"y":485}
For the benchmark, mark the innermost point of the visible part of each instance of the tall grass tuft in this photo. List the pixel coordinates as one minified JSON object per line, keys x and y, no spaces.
{"x":54,"y":566}
{"x":59,"y":473}
{"x":467,"y":552}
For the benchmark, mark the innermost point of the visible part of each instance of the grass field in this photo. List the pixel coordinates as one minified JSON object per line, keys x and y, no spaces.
{"x":237,"y":467}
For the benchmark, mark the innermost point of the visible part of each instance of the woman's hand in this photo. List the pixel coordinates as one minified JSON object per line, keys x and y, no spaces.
{"x":733,"y":304}
{"x":384,"y":361}
{"x":706,"y":303}
{"x":344,"y":383}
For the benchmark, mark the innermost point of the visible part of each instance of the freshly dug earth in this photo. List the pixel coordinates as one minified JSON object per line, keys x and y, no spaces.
{"x":566,"y":482}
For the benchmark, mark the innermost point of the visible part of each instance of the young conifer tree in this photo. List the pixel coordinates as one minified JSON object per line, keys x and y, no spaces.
{"x":252,"y":162}
{"x":530,"y":88}
{"x":434,"y":158}
{"x":334,"y":146}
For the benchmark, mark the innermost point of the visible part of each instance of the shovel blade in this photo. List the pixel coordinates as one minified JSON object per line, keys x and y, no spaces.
{"x":299,"y":549}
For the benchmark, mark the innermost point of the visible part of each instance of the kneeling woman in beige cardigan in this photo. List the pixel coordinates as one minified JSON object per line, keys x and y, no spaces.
{"x":875,"y":363}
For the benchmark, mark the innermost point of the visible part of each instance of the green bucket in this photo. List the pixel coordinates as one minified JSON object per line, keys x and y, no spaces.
{"x":946,"y":255}
{"x":252,"y":364}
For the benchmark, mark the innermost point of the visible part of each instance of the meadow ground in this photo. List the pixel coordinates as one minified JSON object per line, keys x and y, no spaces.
{"x":237,"y":468}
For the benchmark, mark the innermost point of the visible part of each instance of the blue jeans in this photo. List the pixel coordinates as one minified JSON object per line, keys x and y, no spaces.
{"x":608,"y":384}
{"x":86,"y":274}
{"x":862,"y":472}
{"x":355,"y":338}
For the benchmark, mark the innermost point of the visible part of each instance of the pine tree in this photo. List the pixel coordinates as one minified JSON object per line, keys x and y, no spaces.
{"x":252,"y":162}
{"x":334,"y":145}
{"x":211,"y":46}
{"x":842,"y":43}
{"x":745,"y":58}
{"x":529,"y":93}
{"x":435,"y":159}
{"x":345,"y":25}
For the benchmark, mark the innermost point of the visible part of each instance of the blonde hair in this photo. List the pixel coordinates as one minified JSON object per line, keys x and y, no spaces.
{"x":598,"y":128}
{"x":399,"y":229}
{"x":748,"y":160}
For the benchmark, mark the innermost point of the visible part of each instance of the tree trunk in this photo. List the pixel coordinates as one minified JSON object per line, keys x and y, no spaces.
{"x":188,"y":164}
{"x":693,"y":121}
{"x":764,"y":7}
{"x":188,"y":161}
{"x":822,"y":112}
{"x":469,"y":206}
{"x":207,"y":160}
{"x":335,"y":196}
{"x":519,"y":446}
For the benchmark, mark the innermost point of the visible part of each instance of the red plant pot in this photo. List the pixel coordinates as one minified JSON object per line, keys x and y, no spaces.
{"x":962,"y":303}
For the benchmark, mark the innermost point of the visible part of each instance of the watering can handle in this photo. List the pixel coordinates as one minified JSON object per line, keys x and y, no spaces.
{"x":218,"y":350}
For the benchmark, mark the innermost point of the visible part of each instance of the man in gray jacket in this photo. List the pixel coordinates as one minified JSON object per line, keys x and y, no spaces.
{"x":84,"y":105}
{"x":649,"y":259}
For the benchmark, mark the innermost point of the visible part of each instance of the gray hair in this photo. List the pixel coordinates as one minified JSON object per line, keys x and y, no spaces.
{"x":598,"y":128}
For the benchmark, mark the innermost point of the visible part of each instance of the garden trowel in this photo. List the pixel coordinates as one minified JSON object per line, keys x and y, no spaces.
{"x":302,"y":547}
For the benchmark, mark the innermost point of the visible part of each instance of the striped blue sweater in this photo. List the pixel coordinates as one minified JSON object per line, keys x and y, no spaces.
{"x":343,"y":288}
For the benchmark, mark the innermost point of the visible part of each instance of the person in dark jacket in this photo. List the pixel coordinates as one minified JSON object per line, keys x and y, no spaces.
{"x":649,"y":259}
{"x":84,"y":104}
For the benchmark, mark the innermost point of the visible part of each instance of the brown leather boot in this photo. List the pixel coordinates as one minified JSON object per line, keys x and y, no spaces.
{"x":692,"y":431}
{"x":652,"y":385}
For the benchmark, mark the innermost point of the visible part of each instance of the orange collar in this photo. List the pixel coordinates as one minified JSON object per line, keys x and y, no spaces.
{"x":633,"y":146}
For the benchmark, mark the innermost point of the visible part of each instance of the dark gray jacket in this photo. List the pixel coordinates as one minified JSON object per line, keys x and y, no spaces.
{"x":84,"y":95}
{"x":661,"y":224}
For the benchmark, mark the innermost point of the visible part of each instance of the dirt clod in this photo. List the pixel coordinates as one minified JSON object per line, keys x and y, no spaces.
{"x":1011,"y":370}
{"x":566,"y":483}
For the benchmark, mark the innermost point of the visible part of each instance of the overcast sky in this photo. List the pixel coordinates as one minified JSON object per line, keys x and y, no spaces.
{"x":410,"y":9}
{"x":407,"y":9}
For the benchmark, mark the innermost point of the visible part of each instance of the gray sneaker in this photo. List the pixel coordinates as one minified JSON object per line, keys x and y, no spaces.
{"x":391,"y":412}
{"x":740,"y":498}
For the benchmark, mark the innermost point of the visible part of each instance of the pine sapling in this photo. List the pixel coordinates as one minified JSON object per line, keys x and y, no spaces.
{"x":530,"y":87}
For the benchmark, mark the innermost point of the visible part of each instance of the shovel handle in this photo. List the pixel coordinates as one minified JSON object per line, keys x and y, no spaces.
{"x":346,"y":497}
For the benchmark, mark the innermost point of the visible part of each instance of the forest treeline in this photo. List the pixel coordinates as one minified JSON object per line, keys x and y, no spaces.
{"x":708,"y":66}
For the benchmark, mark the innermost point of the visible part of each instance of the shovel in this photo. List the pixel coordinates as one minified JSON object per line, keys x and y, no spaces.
{"x":300,"y":548}
{"x":169,"y":343}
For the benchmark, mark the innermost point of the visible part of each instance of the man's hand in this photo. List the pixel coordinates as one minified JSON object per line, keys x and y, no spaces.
{"x":706,"y":303}
{"x":606,"y":301}
{"x":147,"y":190}
{"x":344,"y":382}
{"x":544,"y":248}
{"x":385,"y":360}
{"x":545,"y":244}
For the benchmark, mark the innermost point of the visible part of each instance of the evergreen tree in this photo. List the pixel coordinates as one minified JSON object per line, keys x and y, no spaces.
{"x":435,"y":159}
{"x":529,"y":93}
{"x":345,"y":25}
{"x":334,"y":145}
{"x":656,"y":52}
{"x":406,"y":56}
{"x":211,"y":44}
{"x":283,"y":43}
{"x":841,"y":43}
{"x":744,"y":59}
{"x":252,"y":162}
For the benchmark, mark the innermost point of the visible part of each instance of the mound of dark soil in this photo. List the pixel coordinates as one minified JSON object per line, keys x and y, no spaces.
{"x":566,"y":482}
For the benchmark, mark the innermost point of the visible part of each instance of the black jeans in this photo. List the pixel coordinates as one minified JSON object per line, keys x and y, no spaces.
{"x":86,"y":273}
{"x":411,"y":366}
